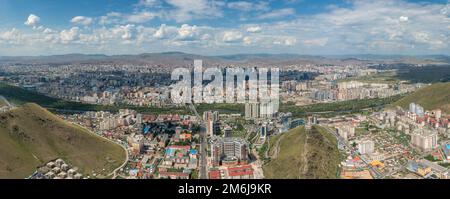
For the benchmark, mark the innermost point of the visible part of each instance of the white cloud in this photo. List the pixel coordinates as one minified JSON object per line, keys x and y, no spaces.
{"x":286,"y":41}
{"x":254,"y":29}
{"x":186,"y":10}
{"x":163,"y":32}
{"x":247,"y":6}
{"x":141,"y":17}
{"x":316,"y":42}
{"x":403,"y":18}
{"x":148,"y":3}
{"x":125,"y":32}
{"x":48,"y":31}
{"x":231,"y":36}
{"x":277,"y":13}
{"x":110,"y":18}
{"x":33,"y":20}
{"x":82,"y":20}
{"x":70,"y":35}
{"x":187,"y":32}
{"x":12,"y":36}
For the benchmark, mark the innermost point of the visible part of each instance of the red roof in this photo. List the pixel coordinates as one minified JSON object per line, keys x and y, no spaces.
{"x":240,"y":171}
{"x":215,"y":174}
{"x":177,"y":174}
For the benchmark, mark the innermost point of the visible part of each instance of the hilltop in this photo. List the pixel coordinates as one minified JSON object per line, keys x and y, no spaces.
{"x":298,"y":154}
{"x":430,"y":97}
{"x":31,"y":136}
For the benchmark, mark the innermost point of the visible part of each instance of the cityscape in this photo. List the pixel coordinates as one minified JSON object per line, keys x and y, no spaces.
{"x":95,"y":99}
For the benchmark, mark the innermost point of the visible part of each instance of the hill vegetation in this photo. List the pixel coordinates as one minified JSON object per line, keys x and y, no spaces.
{"x":300,"y":154}
{"x":30,"y":136}
{"x":430,"y":97}
{"x":428,"y":74}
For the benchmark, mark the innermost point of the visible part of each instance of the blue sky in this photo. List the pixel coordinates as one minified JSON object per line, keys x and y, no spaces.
{"x":212,"y":27}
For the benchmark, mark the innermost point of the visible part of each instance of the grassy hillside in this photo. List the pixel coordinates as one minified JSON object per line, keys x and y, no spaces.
{"x":430,"y":97}
{"x":302,"y":154}
{"x":428,"y":74}
{"x":31,"y":136}
{"x":2,"y":102}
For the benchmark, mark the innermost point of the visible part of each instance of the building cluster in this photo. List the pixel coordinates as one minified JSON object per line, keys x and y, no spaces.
{"x":343,"y":91}
{"x":57,"y":169}
{"x":229,"y":151}
{"x":264,"y":110}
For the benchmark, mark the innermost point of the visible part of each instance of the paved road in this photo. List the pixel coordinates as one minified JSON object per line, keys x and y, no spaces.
{"x":203,"y":152}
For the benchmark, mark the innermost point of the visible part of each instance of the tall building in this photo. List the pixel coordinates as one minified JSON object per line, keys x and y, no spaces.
{"x":424,"y":139}
{"x":252,"y":111}
{"x":228,"y":132}
{"x":412,"y":107}
{"x":216,"y":153}
{"x":366,"y":147}
{"x":263,"y":131}
{"x":211,"y":119}
{"x":228,"y":148}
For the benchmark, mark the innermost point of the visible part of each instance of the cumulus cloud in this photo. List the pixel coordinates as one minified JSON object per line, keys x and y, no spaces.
{"x":403,"y":18}
{"x":361,"y":27}
{"x":12,"y":36}
{"x":82,"y":20}
{"x":254,"y":29}
{"x":163,"y":32}
{"x":187,"y":32}
{"x":125,"y":32}
{"x":68,"y":36}
{"x":231,"y":36}
{"x":32,"y":20}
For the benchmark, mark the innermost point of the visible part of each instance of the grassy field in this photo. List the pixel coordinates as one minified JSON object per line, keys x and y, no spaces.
{"x":303,"y":154}
{"x":430,"y":97}
{"x":31,"y":136}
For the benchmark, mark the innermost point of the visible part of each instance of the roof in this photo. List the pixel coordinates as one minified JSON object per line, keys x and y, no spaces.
{"x":214,"y":174}
{"x":240,"y":171}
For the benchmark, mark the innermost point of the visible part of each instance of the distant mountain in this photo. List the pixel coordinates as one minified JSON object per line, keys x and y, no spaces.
{"x":430,"y":97}
{"x":180,"y":58}
{"x":30,"y":136}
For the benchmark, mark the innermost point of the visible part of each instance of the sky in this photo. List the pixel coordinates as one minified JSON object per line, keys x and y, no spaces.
{"x":219,"y":27}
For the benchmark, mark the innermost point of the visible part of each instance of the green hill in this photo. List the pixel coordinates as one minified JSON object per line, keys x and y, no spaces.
{"x":301,"y":154}
{"x":31,"y":136}
{"x":430,"y":97}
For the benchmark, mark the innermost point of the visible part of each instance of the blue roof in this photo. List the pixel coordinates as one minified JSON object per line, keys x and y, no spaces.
{"x":447,"y":146}
{"x":194,"y":151}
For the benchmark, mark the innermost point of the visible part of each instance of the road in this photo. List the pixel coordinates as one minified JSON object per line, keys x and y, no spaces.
{"x":203,"y":152}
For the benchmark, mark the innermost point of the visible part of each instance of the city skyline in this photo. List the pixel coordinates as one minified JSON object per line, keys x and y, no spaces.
{"x":224,"y":27}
